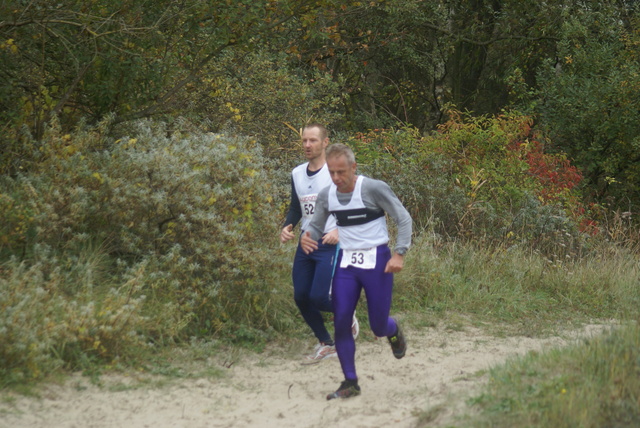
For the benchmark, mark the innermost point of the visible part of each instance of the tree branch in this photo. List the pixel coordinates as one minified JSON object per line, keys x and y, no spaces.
{"x":487,"y":42}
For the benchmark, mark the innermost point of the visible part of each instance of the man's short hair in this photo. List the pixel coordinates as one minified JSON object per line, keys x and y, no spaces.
{"x":324,"y":133}
{"x":339,"y":149}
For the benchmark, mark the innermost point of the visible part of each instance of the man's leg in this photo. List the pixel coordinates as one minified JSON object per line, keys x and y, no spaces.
{"x":324,"y":258}
{"x":378,"y":287}
{"x":345,"y":295}
{"x":304,"y":268}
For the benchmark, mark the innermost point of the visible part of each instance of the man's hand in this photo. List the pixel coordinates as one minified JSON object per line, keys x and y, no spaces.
{"x":308,"y":244}
{"x":331,"y":237}
{"x":395,"y":264}
{"x":286,"y":233}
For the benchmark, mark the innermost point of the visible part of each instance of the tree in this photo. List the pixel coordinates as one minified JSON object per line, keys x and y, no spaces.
{"x":131,"y":59}
{"x":404,"y":61}
{"x":590,"y":103}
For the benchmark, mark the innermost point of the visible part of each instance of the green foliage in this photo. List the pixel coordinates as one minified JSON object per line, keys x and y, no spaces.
{"x":590,"y":107}
{"x":77,"y":59}
{"x":403,"y":61}
{"x":58,"y":312}
{"x":387,"y":53}
{"x":257,"y":94}
{"x":238,"y":64}
{"x":16,"y":223}
{"x":147,"y":239}
{"x":486,"y":178}
{"x":187,"y":218}
{"x":419,"y":177}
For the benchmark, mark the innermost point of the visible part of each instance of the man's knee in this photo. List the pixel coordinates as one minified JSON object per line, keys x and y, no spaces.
{"x":302,"y":299}
{"x":320,"y":301}
{"x":379,"y":327}
{"x":342,"y":325}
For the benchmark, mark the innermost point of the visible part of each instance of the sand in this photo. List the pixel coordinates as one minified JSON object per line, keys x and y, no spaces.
{"x":439,"y":372}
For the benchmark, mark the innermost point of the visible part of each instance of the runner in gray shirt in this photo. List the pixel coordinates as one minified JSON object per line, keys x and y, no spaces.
{"x":359,"y":205}
{"x":376,"y":195}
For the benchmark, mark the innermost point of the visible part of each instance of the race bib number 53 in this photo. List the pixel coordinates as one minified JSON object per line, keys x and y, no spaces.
{"x":363,"y":259}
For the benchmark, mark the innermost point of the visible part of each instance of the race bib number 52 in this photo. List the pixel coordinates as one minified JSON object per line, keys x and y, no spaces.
{"x":363,"y":259}
{"x":308,"y":205}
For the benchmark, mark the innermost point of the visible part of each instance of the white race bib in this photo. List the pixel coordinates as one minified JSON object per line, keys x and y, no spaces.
{"x":308,"y":205}
{"x":363,"y":259}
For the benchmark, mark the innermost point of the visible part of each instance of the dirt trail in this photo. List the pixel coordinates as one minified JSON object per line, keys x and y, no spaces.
{"x":440,"y":369}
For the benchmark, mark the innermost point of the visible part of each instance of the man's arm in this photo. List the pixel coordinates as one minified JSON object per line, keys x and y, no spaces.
{"x":293,"y":216}
{"x":381,"y":195}
{"x":295,"y":212}
{"x":387,"y":200}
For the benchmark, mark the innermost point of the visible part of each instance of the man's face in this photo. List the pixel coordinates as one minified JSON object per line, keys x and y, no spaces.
{"x":343,"y":175}
{"x":312,"y":143}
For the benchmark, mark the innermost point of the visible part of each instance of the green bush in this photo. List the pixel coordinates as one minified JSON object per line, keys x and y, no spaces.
{"x":589,"y":104}
{"x":421,"y":179}
{"x":191,"y":220}
{"x":259,"y":94}
{"x":483,"y":179}
{"x":53,"y":314}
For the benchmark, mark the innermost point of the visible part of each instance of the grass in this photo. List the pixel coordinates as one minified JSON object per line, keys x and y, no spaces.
{"x":593,"y":384}
{"x":520,"y":288}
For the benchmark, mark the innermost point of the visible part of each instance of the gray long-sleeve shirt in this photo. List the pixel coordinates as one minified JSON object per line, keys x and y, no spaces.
{"x":376,"y":195}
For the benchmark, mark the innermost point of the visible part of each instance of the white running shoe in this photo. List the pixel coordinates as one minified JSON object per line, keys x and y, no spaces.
{"x":355,"y":326}
{"x":322,"y":351}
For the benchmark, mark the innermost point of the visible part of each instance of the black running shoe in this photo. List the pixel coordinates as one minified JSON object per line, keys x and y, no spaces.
{"x":348,"y":388}
{"x":398,"y":343}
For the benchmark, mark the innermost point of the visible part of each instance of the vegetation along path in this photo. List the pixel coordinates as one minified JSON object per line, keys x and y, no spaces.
{"x":429,"y":387}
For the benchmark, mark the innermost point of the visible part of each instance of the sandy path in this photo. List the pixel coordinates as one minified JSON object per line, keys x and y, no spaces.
{"x":440,"y":369}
